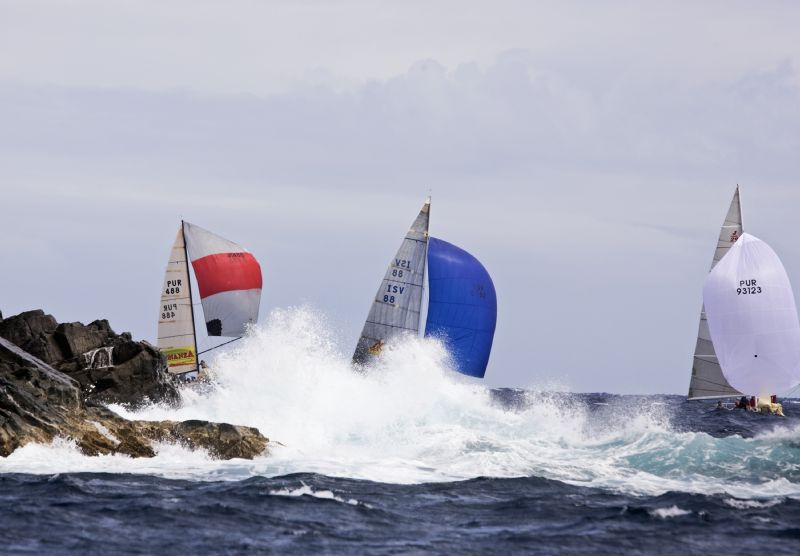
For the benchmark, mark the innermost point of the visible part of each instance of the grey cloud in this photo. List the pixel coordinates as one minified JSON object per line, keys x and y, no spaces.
{"x":554,"y":162}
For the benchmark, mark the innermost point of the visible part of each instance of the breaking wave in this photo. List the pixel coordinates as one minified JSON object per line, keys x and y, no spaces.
{"x":411,"y":419}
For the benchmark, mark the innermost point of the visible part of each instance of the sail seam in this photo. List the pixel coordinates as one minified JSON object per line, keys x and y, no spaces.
{"x":401,"y":282}
{"x":389,"y":325}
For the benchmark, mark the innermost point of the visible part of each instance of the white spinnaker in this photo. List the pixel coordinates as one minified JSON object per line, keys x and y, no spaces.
{"x":398,"y":301}
{"x":175,"y":324}
{"x":753,"y":320}
{"x":707,"y":380}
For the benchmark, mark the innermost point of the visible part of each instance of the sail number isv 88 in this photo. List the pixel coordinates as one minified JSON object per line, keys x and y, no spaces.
{"x":391,"y":291}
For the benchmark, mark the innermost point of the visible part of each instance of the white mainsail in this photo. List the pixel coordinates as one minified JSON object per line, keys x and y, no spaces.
{"x":707,"y":380}
{"x":753,"y":319}
{"x":398,"y":301}
{"x":176,"y":337}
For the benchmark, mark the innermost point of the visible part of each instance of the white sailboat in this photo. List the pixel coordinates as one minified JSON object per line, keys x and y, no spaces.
{"x":707,"y":380}
{"x":753,"y":321}
{"x":462,"y":304}
{"x":229,"y":284}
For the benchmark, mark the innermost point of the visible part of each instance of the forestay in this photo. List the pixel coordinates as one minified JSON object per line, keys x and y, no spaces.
{"x":753,"y":319}
{"x":462,"y":306}
{"x":398,"y":301}
{"x":228,"y":279}
{"x":176,"y":337}
{"x":707,"y":379}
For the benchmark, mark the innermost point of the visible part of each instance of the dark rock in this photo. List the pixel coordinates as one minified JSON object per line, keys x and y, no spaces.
{"x":39,"y":403}
{"x":46,"y":348}
{"x":28,"y":328}
{"x":110,"y":368}
{"x":103,"y":326}
{"x":76,"y":339}
{"x":125,"y":350}
{"x":138,"y":375}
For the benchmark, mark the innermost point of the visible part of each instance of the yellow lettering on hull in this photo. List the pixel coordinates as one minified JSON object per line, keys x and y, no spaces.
{"x":180,"y":356}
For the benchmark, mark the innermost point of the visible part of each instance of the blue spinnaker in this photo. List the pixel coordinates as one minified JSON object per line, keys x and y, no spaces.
{"x":462,"y":306}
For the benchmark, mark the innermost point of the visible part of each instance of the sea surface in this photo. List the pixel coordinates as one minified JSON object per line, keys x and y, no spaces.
{"x":409,"y":457}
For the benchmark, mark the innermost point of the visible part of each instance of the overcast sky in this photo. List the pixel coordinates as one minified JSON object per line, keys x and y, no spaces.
{"x":585,"y":152}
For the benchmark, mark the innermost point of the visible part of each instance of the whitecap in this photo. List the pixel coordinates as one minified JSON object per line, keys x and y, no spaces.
{"x":667,"y":513}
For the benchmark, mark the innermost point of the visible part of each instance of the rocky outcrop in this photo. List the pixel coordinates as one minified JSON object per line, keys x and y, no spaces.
{"x":109,"y":367}
{"x":39,"y":403}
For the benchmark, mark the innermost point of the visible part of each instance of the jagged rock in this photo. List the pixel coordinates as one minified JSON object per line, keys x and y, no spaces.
{"x":45,"y":347}
{"x":39,"y":403}
{"x":32,"y":331}
{"x":110,"y":368}
{"x":221,"y":440}
{"x":76,"y":339}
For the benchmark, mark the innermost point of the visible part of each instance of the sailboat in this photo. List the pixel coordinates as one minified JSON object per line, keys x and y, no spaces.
{"x":753,"y":322}
{"x":461,"y":308}
{"x":707,"y":380}
{"x":229,"y":284}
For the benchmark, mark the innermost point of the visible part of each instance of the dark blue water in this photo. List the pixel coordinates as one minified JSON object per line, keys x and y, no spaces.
{"x":308,"y":513}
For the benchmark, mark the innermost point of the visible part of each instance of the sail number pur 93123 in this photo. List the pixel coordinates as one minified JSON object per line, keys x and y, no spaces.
{"x":748,"y":287}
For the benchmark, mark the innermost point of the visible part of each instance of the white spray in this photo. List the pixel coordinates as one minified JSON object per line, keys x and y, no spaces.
{"x":412,"y":419}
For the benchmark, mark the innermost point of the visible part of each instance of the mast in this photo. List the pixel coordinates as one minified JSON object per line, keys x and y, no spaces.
{"x":707,"y":380}
{"x":738,"y":196}
{"x":423,"y":303}
{"x":191,"y":301}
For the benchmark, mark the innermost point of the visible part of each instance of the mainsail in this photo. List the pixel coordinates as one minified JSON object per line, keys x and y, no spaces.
{"x":753,"y":320}
{"x":176,"y":337}
{"x":462,"y":307}
{"x":707,"y":379}
{"x":229,"y":282}
{"x":398,"y":301}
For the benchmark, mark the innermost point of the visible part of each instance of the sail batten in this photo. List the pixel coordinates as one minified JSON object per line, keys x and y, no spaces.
{"x":707,"y":380}
{"x":396,"y":308}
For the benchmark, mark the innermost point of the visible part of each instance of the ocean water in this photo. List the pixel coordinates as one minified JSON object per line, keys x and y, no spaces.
{"x":413,"y":458}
